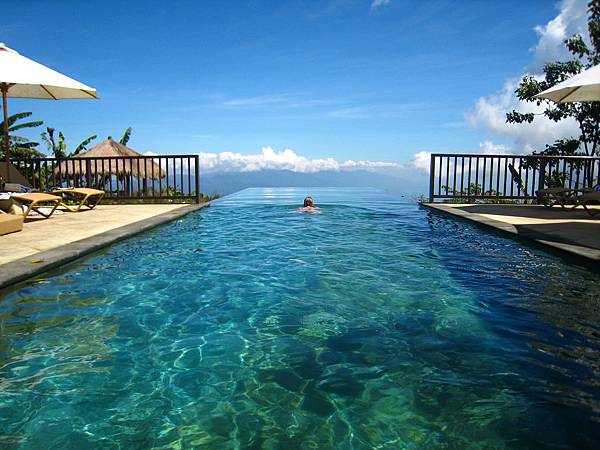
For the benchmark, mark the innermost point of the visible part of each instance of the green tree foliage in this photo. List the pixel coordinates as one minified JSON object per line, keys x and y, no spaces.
{"x":83,"y":145}
{"x":20,"y":147}
{"x":58,"y":148}
{"x":126,"y":135}
{"x":586,"y":114}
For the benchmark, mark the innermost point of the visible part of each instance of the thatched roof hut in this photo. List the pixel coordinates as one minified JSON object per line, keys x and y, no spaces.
{"x":139,"y":168}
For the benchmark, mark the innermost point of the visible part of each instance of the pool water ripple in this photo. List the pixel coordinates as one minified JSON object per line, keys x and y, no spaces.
{"x":375,"y":324}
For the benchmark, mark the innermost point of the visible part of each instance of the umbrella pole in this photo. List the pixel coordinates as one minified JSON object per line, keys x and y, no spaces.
{"x":5,"y":87}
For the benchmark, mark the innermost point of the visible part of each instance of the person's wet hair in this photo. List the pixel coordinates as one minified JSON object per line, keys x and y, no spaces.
{"x":308,"y":201}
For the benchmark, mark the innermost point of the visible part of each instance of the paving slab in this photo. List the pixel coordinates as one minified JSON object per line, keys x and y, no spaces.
{"x":47,"y":243}
{"x":569,"y":231}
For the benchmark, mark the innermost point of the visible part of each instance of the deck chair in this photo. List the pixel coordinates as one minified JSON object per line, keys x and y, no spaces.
{"x":84,"y":196}
{"x":555,"y":196}
{"x":595,"y":188}
{"x":549,"y":196}
{"x":35,"y":201}
{"x":591,"y":195}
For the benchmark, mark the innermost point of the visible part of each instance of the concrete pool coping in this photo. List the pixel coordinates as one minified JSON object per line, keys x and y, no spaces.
{"x":567,"y":232}
{"x":32,"y":265}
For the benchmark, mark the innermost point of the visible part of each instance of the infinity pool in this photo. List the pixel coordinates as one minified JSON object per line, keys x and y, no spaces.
{"x":375,"y":324}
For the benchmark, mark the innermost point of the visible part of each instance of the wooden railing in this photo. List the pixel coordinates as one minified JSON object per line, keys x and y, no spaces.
{"x":496,"y":178}
{"x":126,"y":178}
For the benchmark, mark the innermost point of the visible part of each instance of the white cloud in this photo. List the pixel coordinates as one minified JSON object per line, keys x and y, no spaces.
{"x":365,"y":164}
{"x":489,"y":113}
{"x":378,"y":3}
{"x":572,"y":19}
{"x":283,"y":100}
{"x":490,"y":148}
{"x":339,"y":108}
{"x":260,"y":100}
{"x":375,"y":111}
{"x":421,"y":161}
{"x":269,"y":159}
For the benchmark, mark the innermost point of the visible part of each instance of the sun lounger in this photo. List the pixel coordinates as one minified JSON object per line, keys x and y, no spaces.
{"x":585,"y":199}
{"x":555,"y":196}
{"x":10,"y":223}
{"x":35,"y":201}
{"x":85,"y":196}
{"x":550,"y":196}
{"x":563,"y":195}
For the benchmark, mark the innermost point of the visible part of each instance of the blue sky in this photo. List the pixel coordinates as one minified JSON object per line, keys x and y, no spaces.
{"x":340,"y":79}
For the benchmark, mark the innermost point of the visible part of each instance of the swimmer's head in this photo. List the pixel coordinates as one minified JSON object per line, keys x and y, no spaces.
{"x":308,"y":201}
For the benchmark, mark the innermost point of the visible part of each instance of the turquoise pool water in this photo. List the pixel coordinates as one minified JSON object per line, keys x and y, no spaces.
{"x":375,"y":324}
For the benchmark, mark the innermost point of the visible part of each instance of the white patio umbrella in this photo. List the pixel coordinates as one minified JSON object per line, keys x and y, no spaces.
{"x":21,"y":77}
{"x":583,"y":87}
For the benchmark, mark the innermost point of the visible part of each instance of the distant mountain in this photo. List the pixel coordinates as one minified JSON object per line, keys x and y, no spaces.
{"x":409,"y":184}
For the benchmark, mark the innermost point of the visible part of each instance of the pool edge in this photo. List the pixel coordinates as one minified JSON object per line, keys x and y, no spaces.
{"x":23,"y":269}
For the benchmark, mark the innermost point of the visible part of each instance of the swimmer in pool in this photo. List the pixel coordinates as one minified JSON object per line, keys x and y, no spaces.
{"x":309,"y":205}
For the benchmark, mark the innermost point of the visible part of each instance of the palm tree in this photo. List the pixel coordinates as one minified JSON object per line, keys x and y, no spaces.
{"x":20,"y":147}
{"x":59,"y":149}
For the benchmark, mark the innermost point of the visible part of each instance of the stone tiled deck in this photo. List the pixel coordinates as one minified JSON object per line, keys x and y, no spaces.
{"x":47,"y":243}
{"x":570,"y":231}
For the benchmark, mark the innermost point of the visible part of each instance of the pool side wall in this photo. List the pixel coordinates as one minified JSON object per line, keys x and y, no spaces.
{"x":587,"y":256}
{"x":25,"y":268}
